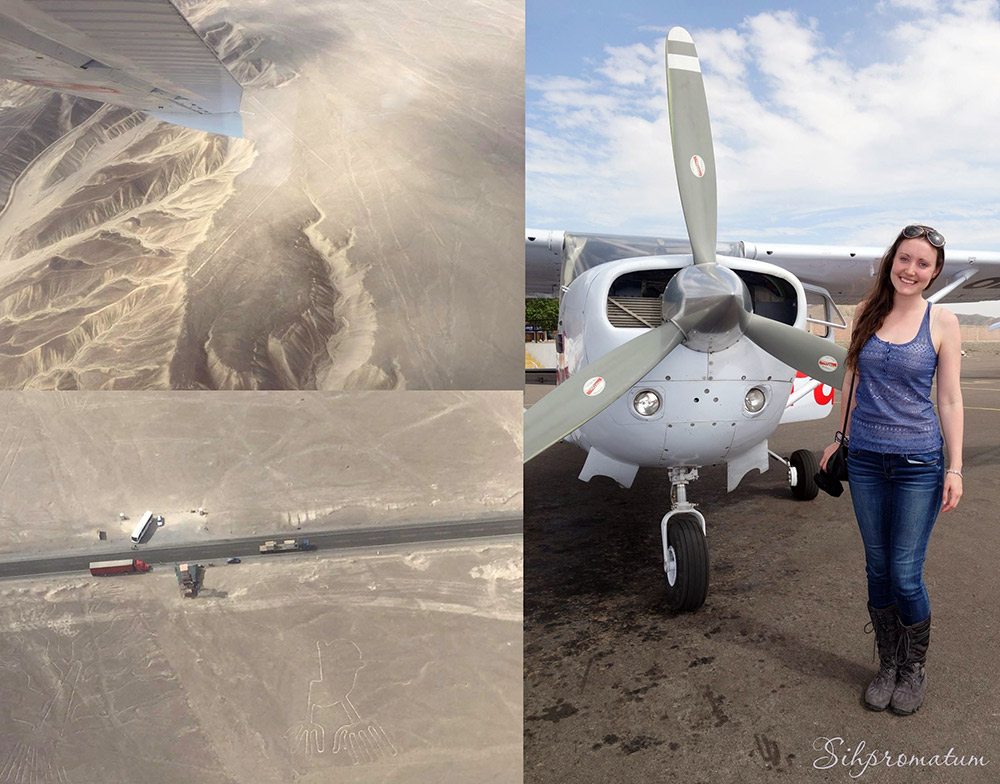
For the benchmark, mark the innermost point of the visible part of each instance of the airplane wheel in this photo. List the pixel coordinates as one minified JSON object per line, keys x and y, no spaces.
{"x":687,"y":565}
{"x":806,"y":467}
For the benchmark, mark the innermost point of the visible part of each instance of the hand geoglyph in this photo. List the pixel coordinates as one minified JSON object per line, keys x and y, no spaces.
{"x":329,"y":705}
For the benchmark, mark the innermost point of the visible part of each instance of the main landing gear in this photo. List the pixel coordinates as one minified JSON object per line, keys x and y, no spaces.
{"x":802,"y":469}
{"x":685,"y":548}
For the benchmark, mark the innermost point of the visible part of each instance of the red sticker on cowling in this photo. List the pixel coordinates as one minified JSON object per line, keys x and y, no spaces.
{"x":594,"y":386}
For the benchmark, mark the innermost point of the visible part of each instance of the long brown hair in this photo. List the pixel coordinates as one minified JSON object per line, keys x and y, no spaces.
{"x":879,"y":300}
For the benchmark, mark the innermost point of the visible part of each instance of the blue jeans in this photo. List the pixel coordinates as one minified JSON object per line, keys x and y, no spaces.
{"x":896,"y":500}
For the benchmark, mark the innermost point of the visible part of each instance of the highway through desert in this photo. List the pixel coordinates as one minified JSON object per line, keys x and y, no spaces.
{"x":327,"y":541}
{"x":765,"y":679}
{"x":385,"y":654}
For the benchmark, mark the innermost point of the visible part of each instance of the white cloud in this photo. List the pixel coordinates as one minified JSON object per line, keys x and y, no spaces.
{"x":555,"y":83}
{"x":629,"y":65}
{"x":811,"y":145}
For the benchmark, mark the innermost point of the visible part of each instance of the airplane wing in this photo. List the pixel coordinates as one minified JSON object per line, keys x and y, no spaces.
{"x":141,"y":54}
{"x":555,"y":258}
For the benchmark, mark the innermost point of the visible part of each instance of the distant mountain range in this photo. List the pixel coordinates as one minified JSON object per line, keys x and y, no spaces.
{"x":965,"y":319}
{"x":975,"y":320}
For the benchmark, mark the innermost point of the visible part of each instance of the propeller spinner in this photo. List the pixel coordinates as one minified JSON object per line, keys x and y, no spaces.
{"x":706,"y":306}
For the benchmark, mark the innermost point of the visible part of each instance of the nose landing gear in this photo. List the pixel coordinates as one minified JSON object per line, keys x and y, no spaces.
{"x":683,"y":530}
{"x":685,"y":547}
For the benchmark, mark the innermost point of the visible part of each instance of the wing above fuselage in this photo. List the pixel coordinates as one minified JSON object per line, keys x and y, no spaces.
{"x":555,"y":258}
{"x":141,"y":54}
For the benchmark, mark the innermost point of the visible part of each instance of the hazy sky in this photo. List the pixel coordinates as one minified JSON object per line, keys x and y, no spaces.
{"x":833,"y":124}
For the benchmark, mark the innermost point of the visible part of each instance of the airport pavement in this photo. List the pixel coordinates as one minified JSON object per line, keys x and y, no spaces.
{"x":762,"y":683}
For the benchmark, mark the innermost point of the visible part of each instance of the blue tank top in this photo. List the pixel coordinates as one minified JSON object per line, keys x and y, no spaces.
{"x":894,"y":412}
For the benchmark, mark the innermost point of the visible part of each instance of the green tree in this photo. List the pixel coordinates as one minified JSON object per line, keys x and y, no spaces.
{"x":542,"y":313}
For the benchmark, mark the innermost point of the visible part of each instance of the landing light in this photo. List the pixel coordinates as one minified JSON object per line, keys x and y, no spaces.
{"x":754,"y":400}
{"x":646,"y":403}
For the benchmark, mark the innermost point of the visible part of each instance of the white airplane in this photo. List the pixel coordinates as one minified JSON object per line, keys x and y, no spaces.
{"x":678,"y":355}
{"x":141,"y":54}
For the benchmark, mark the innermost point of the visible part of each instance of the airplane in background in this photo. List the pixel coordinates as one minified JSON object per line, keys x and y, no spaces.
{"x":678,"y":354}
{"x":141,"y":54}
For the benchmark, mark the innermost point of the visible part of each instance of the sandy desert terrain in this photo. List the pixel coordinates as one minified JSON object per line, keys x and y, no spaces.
{"x":365,"y":234}
{"x":397,"y":664}
{"x":70,"y":463}
{"x":399,"y":667}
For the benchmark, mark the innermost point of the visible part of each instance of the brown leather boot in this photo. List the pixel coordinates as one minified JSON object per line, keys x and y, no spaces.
{"x":885,"y":622}
{"x":912,"y":681}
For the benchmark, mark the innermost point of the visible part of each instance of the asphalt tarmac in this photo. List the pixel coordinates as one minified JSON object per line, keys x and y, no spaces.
{"x":763,"y":683}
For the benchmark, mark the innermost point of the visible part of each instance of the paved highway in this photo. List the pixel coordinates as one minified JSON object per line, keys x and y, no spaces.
{"x":320,"y":540}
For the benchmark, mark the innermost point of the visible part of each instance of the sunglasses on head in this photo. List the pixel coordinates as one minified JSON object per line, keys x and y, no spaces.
{"x":935,"y":238}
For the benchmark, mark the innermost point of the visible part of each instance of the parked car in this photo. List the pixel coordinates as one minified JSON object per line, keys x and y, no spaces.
{"x":232,"y":560}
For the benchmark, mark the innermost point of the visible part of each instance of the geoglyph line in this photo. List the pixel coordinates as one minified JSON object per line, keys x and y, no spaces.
{"x":10,"y":452}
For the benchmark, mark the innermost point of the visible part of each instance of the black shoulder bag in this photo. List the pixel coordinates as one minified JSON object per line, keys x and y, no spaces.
{"x":830,"y":481}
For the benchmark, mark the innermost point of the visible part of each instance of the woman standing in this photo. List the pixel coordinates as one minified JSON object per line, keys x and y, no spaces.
{"x":896,"y":466}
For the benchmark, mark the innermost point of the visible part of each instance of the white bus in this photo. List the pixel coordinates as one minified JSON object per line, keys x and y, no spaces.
{"x":143,"y":525}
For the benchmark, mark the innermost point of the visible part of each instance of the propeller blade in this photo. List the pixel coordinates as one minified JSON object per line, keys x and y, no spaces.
{"x":592,"y":389}
{"x":691,"y":136}
{"x":818,"y":358}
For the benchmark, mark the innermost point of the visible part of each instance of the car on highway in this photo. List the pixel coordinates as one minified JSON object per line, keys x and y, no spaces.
{"x":233,"y":560}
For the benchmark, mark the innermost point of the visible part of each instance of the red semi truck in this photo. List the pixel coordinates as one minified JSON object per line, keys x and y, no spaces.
{"x":127,"y":566}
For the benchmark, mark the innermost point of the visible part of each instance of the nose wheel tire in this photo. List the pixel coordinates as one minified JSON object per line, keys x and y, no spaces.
{"x":686,"y":565}
{"x":804,"y":487}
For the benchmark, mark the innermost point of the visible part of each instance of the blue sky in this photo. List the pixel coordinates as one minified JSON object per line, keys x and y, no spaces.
{"x":560,"y":33}
{"x":832,"y":125}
